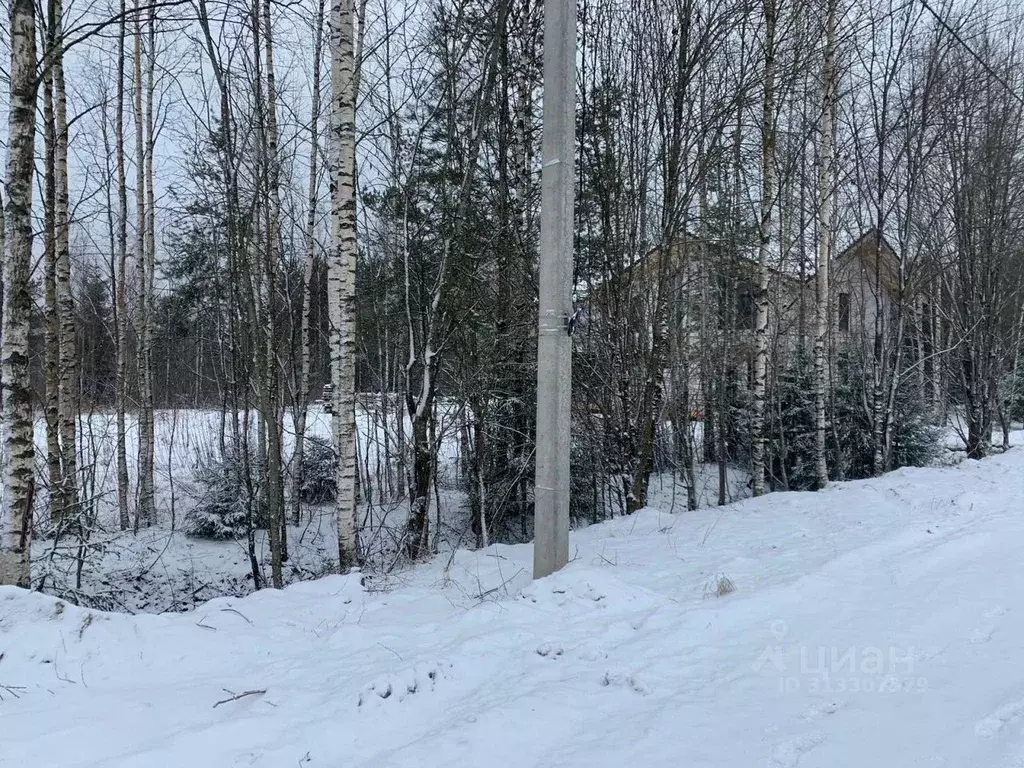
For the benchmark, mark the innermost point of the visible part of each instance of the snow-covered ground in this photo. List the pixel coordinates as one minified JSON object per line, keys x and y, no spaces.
{"x":161,"y":569}
{"x":877,"y":623}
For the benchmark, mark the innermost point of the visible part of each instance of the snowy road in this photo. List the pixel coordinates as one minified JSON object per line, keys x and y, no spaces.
{"x":879,"y":623}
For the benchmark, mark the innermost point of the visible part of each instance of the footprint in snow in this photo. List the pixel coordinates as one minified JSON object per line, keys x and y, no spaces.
{"x":995,"y":722}
{"x":981,"y":635}
{"x":817,"y":711}
{"x":984,"y":633}
{"x":560,"y":594}
{"x":398,"y":686}
{"x":592,"y":653}
{"x":550,"y":650}
{"x":789,"y":753}
{"x":625,"y":680}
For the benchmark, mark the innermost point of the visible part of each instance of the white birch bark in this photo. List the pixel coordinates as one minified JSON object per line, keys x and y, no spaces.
{"x":18,"y":447}
{"x":67,"y":392}
{"x":144,"y":259}
{"x":51,"y":402}
{"x":140,"y":248}
{"x":3,"y":252}
{"x":826,"y":206}
{"x":342,"y":272}
{"x":767,"y":206}
{"x":121,"y":278}
{"x":938,"y":399}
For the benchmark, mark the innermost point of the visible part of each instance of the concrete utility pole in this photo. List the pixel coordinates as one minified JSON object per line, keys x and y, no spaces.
{"x":554,"y":345}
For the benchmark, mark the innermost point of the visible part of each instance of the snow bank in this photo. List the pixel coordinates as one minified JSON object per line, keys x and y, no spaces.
{"x":876,"y":623}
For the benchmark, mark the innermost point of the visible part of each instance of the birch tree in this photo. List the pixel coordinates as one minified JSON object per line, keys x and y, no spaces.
{"x":67,"y":399}
{"x":145,"y":244}
{"x":341,"y":274}
{"x":305,"y":297}
{"x":52,"y":382}
{"x":120,"y":277}
{"x":270,"y":384}
{"x":18,"y":445}
{"x":768,"y":170}
{"x":826,"y":218}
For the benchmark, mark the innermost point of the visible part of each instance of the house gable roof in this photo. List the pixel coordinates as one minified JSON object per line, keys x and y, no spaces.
{"x":874,"y":253}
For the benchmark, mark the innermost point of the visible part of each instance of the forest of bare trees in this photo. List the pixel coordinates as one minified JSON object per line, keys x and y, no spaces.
{"x":799,"y":252}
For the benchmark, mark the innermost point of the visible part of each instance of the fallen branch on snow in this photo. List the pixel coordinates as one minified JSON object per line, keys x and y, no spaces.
{"x":12,"y":690}
{"x":242,"y":695}
{"x":232,"y":610}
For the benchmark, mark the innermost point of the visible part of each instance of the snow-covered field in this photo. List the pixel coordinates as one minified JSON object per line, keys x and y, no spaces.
{"x":877,"y":623}
{"x":161,"y":569}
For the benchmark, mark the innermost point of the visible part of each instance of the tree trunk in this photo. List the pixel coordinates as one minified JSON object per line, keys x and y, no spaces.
{"x":18,"y":470}
{"x":420,"y":486}
{"x":434,"y":320}
{"x":342,"y":273}
{"x":477,"y":474}
{"x":768,"y":115}
{"x":67,"y":397}
{"x":826,"y":204}
{"x":121,"y":278}
{"x":306,"y":299}
{"x":145,"y":513}
{"x":51,"y":403}
{"x":687,"y":449}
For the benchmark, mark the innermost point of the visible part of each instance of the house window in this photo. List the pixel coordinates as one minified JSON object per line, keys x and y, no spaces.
{"x":844,"y":312}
